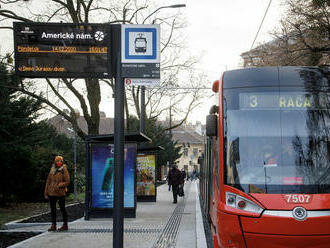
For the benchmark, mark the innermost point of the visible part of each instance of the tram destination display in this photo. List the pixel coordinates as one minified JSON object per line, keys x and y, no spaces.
{"x":285,"y":100}
{"x":56,"y":50}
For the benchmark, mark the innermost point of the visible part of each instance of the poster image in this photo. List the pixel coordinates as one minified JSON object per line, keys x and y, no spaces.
{"x":103,"y":166}
{"x":145,"y":185}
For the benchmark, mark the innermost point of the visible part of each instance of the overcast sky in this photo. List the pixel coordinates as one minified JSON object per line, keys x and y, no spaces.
{"x":219,"y":29}
{"x":223,"y":29}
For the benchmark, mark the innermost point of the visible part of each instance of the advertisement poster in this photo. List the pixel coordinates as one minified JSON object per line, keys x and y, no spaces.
{"x":145,"y":185}
{"x":102,"y":158}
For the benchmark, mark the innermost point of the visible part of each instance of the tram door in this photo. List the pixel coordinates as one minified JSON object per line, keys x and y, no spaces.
{"x":207,"y":177}
{"x":211,"y":185}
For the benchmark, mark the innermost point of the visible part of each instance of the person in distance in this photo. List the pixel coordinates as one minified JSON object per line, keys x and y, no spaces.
{"x":174,"y":179}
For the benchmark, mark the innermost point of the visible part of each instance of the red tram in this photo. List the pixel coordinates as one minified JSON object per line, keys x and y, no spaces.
{"x":265,"y":179}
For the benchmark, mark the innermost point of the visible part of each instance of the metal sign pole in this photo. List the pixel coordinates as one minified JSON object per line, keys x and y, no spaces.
{"x":170,"y":132}
{"x":75,"y":165}
{"x":118,"y":212}
{"x":143,"y":110}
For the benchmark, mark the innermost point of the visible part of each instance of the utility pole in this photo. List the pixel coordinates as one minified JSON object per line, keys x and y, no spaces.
{"x":73,"y":130}
{"x":170,"y":132}
{"x":143,"y":110}
{"x":75,"y":165}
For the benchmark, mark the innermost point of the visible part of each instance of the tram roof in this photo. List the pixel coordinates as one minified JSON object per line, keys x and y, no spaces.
{"x":278,"y":76}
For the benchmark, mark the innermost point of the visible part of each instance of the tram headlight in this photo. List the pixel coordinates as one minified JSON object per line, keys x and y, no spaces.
{"x":241,"y":203}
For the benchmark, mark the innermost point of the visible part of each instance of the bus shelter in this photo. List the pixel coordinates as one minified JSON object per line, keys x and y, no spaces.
{"x":99,"y":196}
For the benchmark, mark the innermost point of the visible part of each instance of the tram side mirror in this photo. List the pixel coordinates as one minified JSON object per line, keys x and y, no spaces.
{"x":211,"y":125}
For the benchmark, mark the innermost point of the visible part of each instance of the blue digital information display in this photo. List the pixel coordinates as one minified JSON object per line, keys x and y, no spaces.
{"x":103,"y":169}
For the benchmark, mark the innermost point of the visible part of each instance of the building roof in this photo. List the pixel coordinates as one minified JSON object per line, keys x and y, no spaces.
{"x":135,"y":137}
{"x":63,"y":126}
{"x":187,"y":135}
{"x":183,"y":134}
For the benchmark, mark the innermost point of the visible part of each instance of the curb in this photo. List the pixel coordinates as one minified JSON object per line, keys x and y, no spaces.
{"x":21,"y":244}
{"x":13,"y":225}
{"x":200,"y":233}
{"x":20,"y":222}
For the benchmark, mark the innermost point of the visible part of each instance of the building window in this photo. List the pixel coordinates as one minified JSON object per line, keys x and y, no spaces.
{"x":195,"y":152}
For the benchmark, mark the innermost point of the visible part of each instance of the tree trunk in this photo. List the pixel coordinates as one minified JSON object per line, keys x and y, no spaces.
{"x":94,"y":99}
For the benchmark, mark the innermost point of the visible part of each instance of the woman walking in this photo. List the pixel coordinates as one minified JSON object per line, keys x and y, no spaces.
{"x":56,"y":187}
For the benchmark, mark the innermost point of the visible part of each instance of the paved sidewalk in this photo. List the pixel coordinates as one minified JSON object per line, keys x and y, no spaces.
{"x":157,"y":224}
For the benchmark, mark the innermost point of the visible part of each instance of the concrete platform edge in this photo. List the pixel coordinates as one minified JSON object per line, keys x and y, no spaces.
{"x":21,"y":244}
{"x":200,"y":234}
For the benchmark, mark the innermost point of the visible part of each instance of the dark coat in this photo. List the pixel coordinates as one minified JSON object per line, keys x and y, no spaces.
{"x":174,"y":177}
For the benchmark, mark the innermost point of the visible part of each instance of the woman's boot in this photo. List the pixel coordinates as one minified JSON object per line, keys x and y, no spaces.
{"x":64,"y":227}
{"x":52,"y":228}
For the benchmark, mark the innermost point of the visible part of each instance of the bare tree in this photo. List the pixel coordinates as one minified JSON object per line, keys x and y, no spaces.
{"x":304,"y":37}
{"x":65,"y":93}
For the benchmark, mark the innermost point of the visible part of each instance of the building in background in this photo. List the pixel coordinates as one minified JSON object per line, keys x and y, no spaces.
{"x":63,"y":126}
{"x":191,"y":139}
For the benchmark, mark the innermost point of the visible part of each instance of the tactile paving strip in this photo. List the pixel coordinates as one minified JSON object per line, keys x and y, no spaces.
{"x":168,"y":236}
{"x":110,"y":230}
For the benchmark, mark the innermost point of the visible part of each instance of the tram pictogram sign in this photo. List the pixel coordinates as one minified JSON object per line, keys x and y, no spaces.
{"x":140,"y":51}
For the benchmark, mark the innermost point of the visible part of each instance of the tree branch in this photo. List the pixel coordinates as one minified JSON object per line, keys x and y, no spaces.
{"x":53,"y":106}
{"x":4,"y":27}
{"x":54,"y":14}
{"x":135,"y":12}
{"x":80,"y":98}
{"x":9,"y":1}
{"x":12,"y":15}
{"x":61,"y":3}
{"x":170,"y":36}
{"x":59,"y":95}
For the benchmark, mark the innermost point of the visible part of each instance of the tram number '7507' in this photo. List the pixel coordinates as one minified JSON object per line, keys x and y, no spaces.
{"x":297,"y":198}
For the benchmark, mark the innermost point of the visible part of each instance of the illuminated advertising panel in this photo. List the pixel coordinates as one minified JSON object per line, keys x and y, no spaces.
{"x":62,"y":50}
{"x":145,"y":185}
{"x":102,"y":159}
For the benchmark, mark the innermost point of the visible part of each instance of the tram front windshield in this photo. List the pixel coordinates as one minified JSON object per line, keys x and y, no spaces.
{"x":277,"y":140}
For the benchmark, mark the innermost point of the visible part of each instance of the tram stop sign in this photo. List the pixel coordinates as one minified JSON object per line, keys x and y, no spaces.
{"x":140,"y":51}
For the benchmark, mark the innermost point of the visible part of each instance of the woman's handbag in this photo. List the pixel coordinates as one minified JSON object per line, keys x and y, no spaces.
{"x":180,"y":191}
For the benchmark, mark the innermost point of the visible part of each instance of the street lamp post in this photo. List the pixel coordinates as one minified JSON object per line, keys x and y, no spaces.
{"x":171,"y":142}
{"x":143,"y":89}
{"x":143,"y":110}
{"x":74,"y":163}
{"x":165,"y":7}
